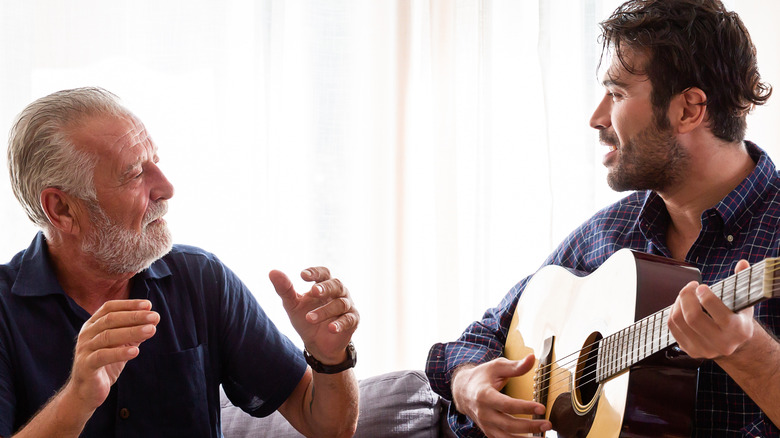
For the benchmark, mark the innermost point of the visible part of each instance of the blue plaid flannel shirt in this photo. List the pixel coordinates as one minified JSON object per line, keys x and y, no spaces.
{"x":742,"y":225}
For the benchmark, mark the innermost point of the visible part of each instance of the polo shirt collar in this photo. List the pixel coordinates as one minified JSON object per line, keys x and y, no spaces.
{"x":158,"y":269}
{"x":36,"y":277}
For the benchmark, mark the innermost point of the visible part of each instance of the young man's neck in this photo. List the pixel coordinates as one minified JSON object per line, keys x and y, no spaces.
{"x":715,"y":171}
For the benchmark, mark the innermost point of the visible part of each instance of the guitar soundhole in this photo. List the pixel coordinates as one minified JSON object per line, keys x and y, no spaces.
{"x":586,"y":385}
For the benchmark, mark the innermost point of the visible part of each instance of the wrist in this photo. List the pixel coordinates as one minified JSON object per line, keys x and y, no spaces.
{"x":347,"y":361}
{"x":757,"y":345}
{"x":62,"y":415}
{"x":325,"y":359}
{"x":460,"y":377}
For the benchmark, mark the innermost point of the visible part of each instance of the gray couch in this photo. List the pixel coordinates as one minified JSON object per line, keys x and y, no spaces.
{"x":398,"y":404}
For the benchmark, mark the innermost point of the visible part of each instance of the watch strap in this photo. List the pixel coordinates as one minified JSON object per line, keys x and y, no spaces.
{"x":321,"y":368}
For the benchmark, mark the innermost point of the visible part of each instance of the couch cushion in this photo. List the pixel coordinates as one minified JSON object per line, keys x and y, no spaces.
{"x":397,"y":404}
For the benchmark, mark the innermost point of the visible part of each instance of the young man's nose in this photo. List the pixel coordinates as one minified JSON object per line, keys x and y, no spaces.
{"x":601,"y":116}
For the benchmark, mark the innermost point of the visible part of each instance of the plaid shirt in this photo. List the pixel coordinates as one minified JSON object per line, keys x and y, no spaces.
{"x":742,"y":225}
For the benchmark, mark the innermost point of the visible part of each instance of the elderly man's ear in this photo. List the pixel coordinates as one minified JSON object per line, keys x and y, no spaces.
{"x":63,"y":210}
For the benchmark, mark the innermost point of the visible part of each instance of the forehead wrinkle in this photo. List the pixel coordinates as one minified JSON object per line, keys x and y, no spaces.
{"x":135,"y":136}
{"x":137,"y":139}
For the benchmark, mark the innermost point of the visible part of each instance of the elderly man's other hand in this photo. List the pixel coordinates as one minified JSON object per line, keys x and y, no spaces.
{"x":324,"y":317}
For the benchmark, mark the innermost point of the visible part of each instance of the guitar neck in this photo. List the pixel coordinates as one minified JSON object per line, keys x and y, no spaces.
{"x":621,"y":350}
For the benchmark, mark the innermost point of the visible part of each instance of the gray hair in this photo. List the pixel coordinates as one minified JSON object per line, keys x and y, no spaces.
{"x":41,"y":155}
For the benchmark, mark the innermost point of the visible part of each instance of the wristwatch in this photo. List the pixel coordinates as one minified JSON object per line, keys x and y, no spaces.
{"x":321,"y":368}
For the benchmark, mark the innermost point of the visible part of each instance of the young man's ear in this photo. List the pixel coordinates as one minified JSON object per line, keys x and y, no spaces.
{"x":63,"y":210}
{"x":689,"y":109}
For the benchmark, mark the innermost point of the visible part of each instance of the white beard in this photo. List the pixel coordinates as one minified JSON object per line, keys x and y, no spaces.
{"x":119,"y":250}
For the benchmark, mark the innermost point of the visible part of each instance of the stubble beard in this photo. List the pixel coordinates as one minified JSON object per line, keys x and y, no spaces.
{"x":651,"y":160}
{"x":118,"y":250}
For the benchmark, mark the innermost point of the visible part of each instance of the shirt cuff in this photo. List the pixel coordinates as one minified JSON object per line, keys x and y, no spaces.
{"x":462,"y":425}
{"x":443,"y":359}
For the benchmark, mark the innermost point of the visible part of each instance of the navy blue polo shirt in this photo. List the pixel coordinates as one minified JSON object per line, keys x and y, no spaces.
{"x":212,"y":331}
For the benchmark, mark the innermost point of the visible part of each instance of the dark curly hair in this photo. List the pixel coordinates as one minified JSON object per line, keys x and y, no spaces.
{"x":691,"y":43}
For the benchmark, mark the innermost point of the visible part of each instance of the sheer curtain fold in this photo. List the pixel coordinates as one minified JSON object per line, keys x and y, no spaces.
{"x":430,"y":152}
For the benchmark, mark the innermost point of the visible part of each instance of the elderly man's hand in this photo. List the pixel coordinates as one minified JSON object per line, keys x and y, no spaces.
{"x":106,"y":342}
{"x":324,"y":317}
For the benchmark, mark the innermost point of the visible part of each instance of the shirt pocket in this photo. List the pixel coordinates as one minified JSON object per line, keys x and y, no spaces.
{"x":165,"y":394}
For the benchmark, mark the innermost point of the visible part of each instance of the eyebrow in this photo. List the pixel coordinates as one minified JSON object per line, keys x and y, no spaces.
{"x":614,"y":83}
{"x":130,"y":169}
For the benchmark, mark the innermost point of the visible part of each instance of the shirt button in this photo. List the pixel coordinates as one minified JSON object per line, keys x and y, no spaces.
{"x":124,"y":413}
{"x":730,"y":238}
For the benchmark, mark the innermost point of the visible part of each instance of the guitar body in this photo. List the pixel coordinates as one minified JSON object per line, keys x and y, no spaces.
{"x":559,"y":317}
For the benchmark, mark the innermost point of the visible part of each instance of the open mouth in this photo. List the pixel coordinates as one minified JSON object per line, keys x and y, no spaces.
{"x":609,"y":139}
{"x":611,"y":155}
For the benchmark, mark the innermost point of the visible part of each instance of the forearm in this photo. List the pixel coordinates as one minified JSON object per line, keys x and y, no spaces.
{"x":332,"y":402}
{"x":755,"y":369}
{"x":322,"y":404}
{"x":62,"y":416}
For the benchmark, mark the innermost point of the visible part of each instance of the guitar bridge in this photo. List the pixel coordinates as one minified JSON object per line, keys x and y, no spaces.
{"x":542,"y":374}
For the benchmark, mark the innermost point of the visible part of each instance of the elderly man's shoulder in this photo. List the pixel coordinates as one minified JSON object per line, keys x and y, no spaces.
{"x":30,"y":259}
{"x":193,"y":272}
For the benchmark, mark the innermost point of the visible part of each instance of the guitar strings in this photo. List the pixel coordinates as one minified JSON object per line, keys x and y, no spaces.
{"x":626,"y":357}
{"x":561,"y":375}
{"x":742,"y":282}
{"x":632,"y":355}
{"x":740,"y":300}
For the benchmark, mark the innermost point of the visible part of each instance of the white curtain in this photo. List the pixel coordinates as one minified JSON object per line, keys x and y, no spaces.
{"x":430,"y":152}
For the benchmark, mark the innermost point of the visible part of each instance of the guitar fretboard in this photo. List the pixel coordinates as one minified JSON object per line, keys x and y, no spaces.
{"x":621,"y":350}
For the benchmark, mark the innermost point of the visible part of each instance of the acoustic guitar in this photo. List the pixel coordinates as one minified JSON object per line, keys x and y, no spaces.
{"x":606,"y":364}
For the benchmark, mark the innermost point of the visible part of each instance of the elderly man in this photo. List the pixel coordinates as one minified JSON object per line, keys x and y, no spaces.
{"x":107,"y":329}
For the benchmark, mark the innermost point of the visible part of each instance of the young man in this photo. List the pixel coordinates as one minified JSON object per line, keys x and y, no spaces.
{"x":681,"y":76}
{"x":107,"y":329}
